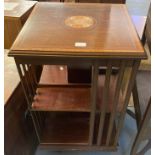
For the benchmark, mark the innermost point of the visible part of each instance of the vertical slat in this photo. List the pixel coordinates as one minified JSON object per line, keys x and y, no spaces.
{"x":23,"y":85}
{"x":35,"y":126}
{"x":37,"y":120}
{"x":33,"y":68}
{"x":34,"y":78}
{"x":33,"y":90}
{"x":127,"y":97}
{"x":115,"y":101}
{"x":93,"y":102}
{"x":33,"y":86}
{"x":31,"y":79}
{"x":30,"y":92}
{"x":138,"y":114}
{"x":104,"y":106}
{"x":27,"y":97}
{"x":32,"y":72}
{"x":38,"y":114}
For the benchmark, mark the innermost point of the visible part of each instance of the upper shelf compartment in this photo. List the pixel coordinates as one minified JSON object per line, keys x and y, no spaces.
{"x":62,"y":99}
{"x":55,"y":94}
{"x":53,"y":74}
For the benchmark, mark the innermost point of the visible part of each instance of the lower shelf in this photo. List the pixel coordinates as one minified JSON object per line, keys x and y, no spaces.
{"x":66,"y":128}
{"x":71,"y":129}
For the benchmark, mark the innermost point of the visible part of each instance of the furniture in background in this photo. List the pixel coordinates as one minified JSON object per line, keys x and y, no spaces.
{"x":143,"y":120}
{"x":16,"y":13}
{"x":79,"y":116}
{"x":19,"y":135}
{"x":147,"y":31}
{"x":146,"y":39}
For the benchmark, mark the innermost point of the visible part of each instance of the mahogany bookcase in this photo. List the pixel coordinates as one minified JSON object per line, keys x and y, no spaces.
{"x":78,"y":116}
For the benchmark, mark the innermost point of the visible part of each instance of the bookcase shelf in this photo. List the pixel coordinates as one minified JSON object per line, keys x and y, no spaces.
{"x":66,"y":128}
{"x":62,"y":99}
{"x":69,"y":128}
{"x":51,"y":96}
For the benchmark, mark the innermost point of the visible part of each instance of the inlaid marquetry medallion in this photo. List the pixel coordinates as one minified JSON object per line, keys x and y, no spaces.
{"x":79,"y":21}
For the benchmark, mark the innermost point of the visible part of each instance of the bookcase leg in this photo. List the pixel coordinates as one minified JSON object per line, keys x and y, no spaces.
{"x":93,"y":102}
{"x":104,"y":106}
{"x":115,"y":102}
{"x":126,"y":98}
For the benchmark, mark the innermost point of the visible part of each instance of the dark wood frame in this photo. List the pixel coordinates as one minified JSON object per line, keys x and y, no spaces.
{"x":25,"y":69}
{"x":94,"y":57}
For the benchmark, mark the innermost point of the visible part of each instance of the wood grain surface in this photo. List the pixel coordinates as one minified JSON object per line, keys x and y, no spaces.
{"x":46,"y":33}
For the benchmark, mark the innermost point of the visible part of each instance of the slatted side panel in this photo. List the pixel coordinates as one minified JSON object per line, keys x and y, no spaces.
{"x":115,"y":102}
{"x":121,"y":92}
{"x":29,"y":84}
{"x":95,"y":71}
{"x":104,"y":106}
{"x":126,"y":97}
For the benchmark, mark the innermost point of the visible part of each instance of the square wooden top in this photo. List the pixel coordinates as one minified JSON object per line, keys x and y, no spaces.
{"x":17,"y":8}
{"x":69,"y":29}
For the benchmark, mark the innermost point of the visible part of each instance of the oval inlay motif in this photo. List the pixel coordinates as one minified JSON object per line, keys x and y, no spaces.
{"x":79,"y":21}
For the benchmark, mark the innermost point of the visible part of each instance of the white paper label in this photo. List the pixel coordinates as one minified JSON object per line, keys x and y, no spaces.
{"x":80,"y":44}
